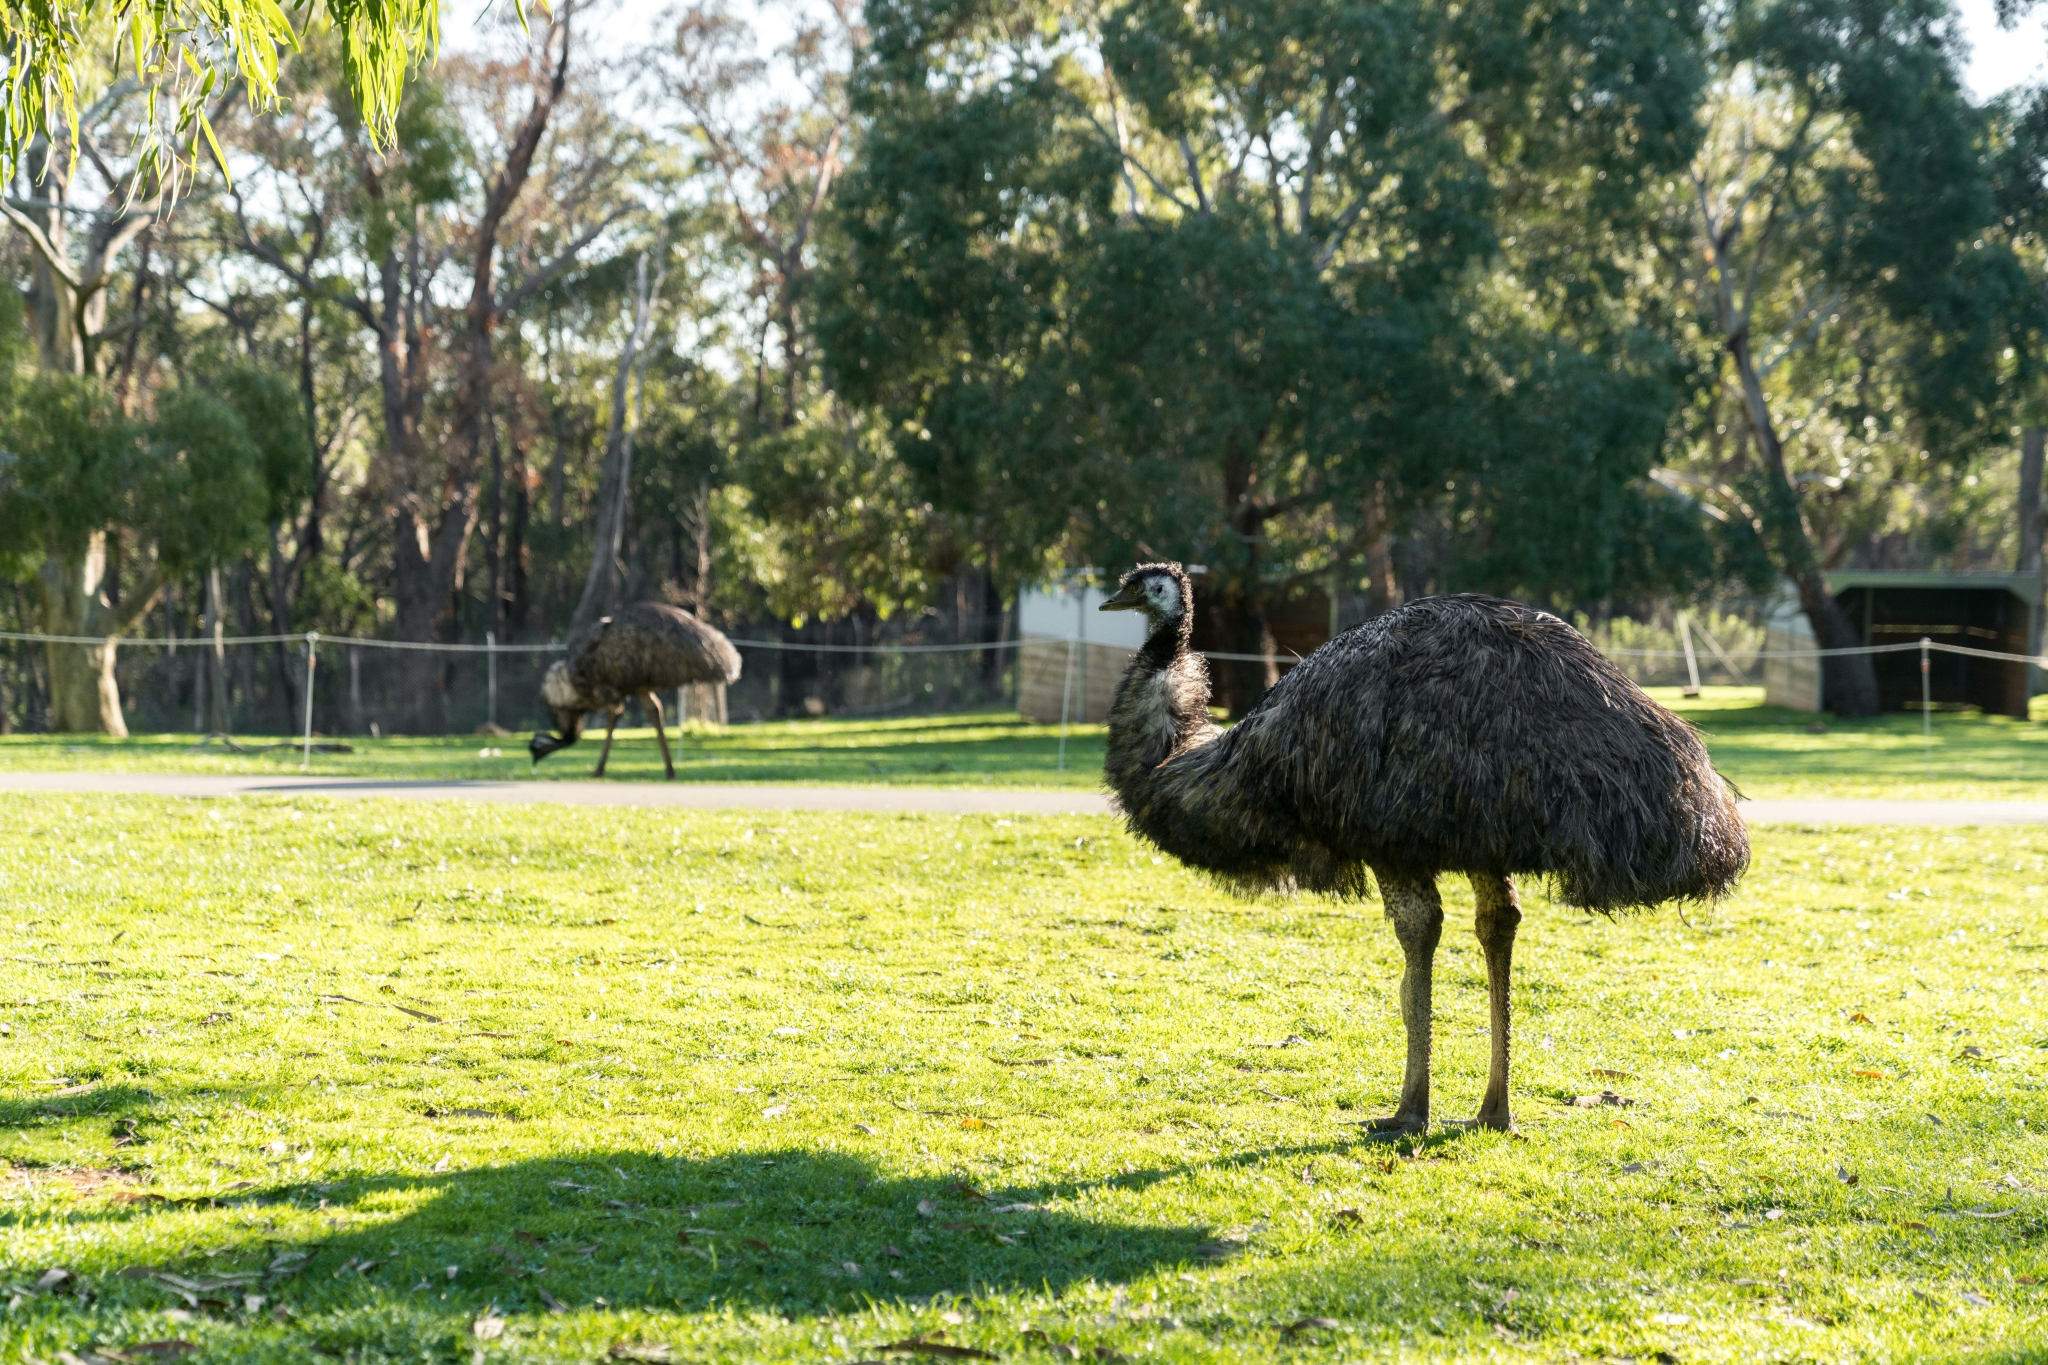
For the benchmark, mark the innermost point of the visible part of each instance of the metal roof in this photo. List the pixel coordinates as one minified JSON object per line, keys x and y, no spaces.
{"x":2023,"y":585}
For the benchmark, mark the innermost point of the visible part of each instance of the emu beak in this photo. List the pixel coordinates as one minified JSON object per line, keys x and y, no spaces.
{"x":1126,"y":598}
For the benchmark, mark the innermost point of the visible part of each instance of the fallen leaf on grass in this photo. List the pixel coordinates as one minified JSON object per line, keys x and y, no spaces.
{"x":1846,"y":1176}
{"x":774,"y":1111}
{"x":1347,"y":1218}
{"x":1859,"y":1017}
{"x":971,"y":1123}
{"x":419,"y":1014}
{"x":926,"y":1347}
{"x":864,"y":1128}
{"x":466,"y":1114}
{"x":554,"y":1304}
{"x":1874,"y":1075}
{"x":1310,"y":1324}
{"x":1975,"y":1300}
{"x":1917,"y":1227}
{"x":489,"y":1327}
{"x":1605,"y":1097}
{"x":648,"y":1352}
{"x":51,"y":1278}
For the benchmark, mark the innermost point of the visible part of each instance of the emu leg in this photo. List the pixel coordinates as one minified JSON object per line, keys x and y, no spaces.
{"x":653,"y":705}
{"x":1499,"y":913}
{"x":1418,"y":916}
{"x":611,"y":723}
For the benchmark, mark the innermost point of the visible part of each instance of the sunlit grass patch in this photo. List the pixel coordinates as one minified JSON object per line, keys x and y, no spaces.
{"x":386,"y":1082}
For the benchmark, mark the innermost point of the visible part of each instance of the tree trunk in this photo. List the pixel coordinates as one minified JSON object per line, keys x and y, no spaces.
{"x":2033,"y":441}
{"x":217,"y":665}
{"x":616,"y":480}
{"x":1382,"y":592}
{"x":1850,"y":681}
{"x":1240,"y":629}
{"x":84,"y":698}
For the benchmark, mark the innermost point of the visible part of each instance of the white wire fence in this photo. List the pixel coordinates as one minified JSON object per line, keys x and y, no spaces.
{"x":311,"y":684}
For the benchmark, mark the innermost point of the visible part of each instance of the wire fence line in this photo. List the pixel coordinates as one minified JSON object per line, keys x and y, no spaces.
{"x":308,"y":683}
{"x":315,"y":637}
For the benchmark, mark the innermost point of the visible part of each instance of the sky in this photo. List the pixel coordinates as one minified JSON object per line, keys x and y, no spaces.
{"x":1998,"y":61}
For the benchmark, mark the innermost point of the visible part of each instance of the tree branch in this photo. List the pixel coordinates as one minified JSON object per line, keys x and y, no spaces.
{"x":512,"y":299}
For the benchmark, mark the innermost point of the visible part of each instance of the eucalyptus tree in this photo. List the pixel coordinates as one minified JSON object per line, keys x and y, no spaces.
{"x":503,"y":174}
{"x":1853,"y":288}
{"x":1246,"y":283}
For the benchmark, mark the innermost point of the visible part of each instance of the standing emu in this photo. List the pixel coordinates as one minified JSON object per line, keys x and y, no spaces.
{"x":635,"y":652}
{"x":1455,"y":734}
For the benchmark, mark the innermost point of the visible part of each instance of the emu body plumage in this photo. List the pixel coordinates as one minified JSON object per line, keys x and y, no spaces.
{"x":1455,"y":734}
{"x":637,"y":651}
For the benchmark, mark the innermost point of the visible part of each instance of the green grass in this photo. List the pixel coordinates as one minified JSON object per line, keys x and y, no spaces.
{"x":294,"y":1080}
{"x":1767,"y":751}
{"x":975,"y":749}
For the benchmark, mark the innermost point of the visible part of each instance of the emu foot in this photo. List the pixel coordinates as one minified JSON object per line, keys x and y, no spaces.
{"x":1397,"y":1126}
{"x":1501,"y":1122}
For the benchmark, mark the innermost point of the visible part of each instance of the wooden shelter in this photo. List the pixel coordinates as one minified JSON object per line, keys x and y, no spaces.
{"x":1992,"y":611}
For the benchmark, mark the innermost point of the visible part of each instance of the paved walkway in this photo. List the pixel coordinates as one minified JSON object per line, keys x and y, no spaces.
{"x":924,"y":800}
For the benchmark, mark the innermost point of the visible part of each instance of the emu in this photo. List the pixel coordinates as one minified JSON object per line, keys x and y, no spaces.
{"x":1455,"y":734}
{"x":634,"y":652}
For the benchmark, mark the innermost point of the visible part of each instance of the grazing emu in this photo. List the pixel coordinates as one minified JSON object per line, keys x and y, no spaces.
{"x":1455,"y":734}
{"x":634,"y":652}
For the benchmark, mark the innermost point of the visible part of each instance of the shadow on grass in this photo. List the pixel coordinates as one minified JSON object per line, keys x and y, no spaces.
{"x":794,"y":1231}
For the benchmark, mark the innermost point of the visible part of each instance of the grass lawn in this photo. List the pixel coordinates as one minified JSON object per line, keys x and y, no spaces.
{"x":1766,"y":750}
{"x":388,"y":1082}
{"x":974,"y":749}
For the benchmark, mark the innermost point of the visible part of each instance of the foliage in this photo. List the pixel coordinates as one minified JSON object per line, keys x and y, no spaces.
{"x":182,"y":52}
{"x":1205,"y":283}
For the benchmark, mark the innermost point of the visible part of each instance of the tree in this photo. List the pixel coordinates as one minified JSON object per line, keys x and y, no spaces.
{"x":1247,"y":283}
{"x":1840,"y":205}
{"x":457,"y":194}
{"x":192,"y":486}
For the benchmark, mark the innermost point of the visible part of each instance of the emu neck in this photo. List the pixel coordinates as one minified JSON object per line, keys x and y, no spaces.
{"x":1161,"y":709}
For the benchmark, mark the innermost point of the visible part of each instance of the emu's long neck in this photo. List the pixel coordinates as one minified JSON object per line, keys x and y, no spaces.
{"x":1161,"y":709}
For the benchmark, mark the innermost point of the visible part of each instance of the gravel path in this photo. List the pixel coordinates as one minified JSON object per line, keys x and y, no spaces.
{"x":919,"y":800}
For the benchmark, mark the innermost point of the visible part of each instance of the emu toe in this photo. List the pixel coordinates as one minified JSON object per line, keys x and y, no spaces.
{"x":1395,"y":1126}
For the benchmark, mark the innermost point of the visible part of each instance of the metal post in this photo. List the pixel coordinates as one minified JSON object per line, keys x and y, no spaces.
{"x":491,"y":668}
{"x":1066,"y":696}
{"x":312,"y":639}
{"x":1692,"y":663}
{"x":1926,"y":702}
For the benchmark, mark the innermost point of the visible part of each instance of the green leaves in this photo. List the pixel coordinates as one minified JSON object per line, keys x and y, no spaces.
{"x":187,"y":53}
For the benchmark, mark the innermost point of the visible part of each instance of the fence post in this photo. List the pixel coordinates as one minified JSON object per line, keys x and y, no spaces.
{"x":1692,"y":663}
{"x":491,"y":668}
{"x":1926,"y":703}
{"x":312,"y":659}
{"x":1066,"y":697}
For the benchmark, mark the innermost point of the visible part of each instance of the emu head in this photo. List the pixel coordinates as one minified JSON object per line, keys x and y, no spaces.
{"x":1161,"y":592}
{"x":566,"y":710}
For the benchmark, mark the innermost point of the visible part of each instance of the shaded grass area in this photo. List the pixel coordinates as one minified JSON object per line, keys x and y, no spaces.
{"x":389,"y":1082}
{"x":1765,"y":750}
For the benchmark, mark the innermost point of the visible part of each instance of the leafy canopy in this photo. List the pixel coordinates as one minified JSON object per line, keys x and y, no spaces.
{"x":186,"y":53}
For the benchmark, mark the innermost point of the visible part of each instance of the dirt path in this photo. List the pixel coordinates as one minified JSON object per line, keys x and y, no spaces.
{"x":916,"y":800}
